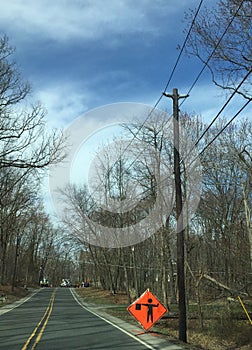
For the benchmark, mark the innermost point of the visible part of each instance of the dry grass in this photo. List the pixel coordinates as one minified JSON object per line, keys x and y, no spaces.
{"x":99,"y":296}
{"x":225,"y":326}
{"x":12,"y":296}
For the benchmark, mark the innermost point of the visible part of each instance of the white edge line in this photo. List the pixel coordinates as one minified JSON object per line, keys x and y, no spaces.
{"x":112,"y":324}
{"x":18,"y":303}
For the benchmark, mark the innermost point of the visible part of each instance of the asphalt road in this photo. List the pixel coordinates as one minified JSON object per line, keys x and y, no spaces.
{"x":54,"y":319}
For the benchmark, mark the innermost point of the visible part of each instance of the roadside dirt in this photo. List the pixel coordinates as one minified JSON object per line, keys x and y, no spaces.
{"x":217,"y":334}
{"x":234,"y":335}
{"x":7,"y":296}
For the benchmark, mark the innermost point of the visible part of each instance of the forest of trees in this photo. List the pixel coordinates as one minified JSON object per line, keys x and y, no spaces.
{"x":27,"y":237}
{"x":218,"y":238}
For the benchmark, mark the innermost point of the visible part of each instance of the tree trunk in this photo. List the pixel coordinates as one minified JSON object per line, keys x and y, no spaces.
{"x":248,"y":222}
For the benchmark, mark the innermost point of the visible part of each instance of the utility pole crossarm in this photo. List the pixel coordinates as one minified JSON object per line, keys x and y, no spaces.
{"x":175,"y":93}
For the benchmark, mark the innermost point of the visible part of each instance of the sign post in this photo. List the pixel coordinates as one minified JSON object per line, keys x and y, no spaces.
{"x":147,"y":309}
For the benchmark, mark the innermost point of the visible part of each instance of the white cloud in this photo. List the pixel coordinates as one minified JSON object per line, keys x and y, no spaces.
{"x":63,"y":102}
{"x":64,"y":20}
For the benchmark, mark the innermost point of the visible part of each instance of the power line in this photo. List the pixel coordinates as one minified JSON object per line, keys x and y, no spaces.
{"x":204,"y":67}
{"x":174,"y":68}
{"x":184,"y":44}
{"x":220,"y":111}
{"x":215,"y":137}
{"x":215,"y":48}
{"x":220,"y":132}
{"x":223,"y":107}
{"x":168,"y":81}
{"x":201,"y":71}
{"x":172,"y":73}
{"x":160,"y":98}
{"x":230,"y":121}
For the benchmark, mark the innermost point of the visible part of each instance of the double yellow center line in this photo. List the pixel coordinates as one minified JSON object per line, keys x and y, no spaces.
{"x":39,"y":329}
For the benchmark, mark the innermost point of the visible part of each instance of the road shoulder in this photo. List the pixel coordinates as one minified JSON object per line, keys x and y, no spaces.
{"x":8,"y":307}
{"x":152,"y":339}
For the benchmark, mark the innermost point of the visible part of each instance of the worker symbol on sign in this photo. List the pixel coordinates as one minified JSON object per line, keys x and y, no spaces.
{"x":147,"y":309}
{"x":150,"y":307}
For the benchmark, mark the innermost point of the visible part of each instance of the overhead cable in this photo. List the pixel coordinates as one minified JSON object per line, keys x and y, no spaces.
{"x":215,"y":48}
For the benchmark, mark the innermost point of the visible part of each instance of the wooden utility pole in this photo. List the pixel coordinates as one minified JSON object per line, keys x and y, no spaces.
{"x":15,"y":263}
{"x":179,"y":218}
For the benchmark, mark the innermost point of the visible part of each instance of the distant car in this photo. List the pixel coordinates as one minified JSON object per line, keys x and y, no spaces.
{"x":44,"y":282}
{"x":85,"y":284}
{"x":65,"y":283}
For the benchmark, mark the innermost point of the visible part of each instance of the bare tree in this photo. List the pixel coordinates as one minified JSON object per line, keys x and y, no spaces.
{"x":221,"y":38}
{"x":16,"y":200}
{"x":25,"y":141}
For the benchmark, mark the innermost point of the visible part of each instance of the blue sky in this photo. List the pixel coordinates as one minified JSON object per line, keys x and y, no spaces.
{"x":80,"y":55}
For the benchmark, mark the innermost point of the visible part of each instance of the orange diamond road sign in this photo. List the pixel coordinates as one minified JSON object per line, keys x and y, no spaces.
{"x":147,"y":310}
